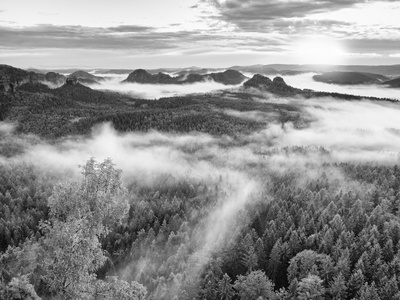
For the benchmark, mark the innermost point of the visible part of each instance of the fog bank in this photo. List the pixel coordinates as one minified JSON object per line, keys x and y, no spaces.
{"x":156,"y":91}
{"x":305,"y":81}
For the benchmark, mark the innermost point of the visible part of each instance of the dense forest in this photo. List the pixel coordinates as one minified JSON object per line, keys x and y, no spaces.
{"x":201,"y":199}
{"x":325,"y":240}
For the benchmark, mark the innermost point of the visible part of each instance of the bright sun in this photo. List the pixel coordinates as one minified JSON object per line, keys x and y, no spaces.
{"x":320,"y":51}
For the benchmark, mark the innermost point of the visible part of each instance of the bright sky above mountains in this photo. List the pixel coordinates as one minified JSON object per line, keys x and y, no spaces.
{"x":209,"y":33}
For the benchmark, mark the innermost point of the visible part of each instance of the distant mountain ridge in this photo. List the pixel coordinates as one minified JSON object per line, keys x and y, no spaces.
{"x":267,"y":69}
{"x":350,"y":78}
{"x":395,"y":83}
{"x":286,"y":69}
{"x":228,"y":77}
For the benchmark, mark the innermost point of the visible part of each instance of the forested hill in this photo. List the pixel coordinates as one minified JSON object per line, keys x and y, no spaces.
{"x":75,"y":108}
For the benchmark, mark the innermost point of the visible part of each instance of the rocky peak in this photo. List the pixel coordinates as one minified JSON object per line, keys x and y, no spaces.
{"x":258,"y":81}
{"x":275,"y":86}
{"x":71,"y":80}
{"x":278,"y":81}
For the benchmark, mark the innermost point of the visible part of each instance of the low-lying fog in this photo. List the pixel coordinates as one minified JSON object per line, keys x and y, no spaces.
{"x":305,"y":81}
{"x":156,"y":91}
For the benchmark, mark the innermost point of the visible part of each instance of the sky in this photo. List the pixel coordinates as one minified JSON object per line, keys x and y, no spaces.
{"x":132,"y":34}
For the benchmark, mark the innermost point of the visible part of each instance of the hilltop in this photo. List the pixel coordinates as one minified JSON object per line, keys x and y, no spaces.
{"x":11,"y":77}
{"x":85,"y":77}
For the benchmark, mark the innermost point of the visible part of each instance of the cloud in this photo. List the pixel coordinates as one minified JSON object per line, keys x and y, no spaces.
{"x":129,"y":38}
{"x":68,"y":37}
{"x":298,"y":19}
{"x":245,"y":13}
{"x":128,"y":28}
{"x":368,"y":45}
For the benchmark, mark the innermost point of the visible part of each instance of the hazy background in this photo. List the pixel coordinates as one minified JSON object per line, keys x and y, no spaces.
{"x":219,"y":33}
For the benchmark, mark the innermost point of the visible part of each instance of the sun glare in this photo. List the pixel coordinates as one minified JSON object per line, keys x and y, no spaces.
{"x":320,"y":51}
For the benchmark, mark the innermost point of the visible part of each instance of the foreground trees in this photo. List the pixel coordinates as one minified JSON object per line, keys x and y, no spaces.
{"x":67,"y":257}
{"x":325,"y":239}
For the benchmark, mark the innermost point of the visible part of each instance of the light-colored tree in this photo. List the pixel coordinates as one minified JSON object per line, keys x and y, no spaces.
{"x":309,"y":261}
{"x":81,"y":213}
{"x":310,"y":287}
{"x":18,"y":288}
{"x":254,"y":285}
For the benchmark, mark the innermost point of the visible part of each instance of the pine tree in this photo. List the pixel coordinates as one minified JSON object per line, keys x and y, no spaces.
{"x":356,"y":281}
{"x":250,"y":259}
{"x":368,"y":292}
{"x":225,"y":289}
{"x":338,"y":288}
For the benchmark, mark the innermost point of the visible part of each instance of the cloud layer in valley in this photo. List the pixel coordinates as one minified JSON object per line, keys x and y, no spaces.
{"x":156,"y":91}
{"x":305,"y":81}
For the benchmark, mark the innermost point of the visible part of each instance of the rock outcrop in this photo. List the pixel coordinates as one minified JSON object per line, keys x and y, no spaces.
{"x":71,"y":80}
{"x":275,"y":86}
{"x":258,"y":81}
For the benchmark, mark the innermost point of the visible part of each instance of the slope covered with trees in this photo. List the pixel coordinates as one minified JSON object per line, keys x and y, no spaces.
{"x":75,"y":109}
{"x":209,"y":207}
